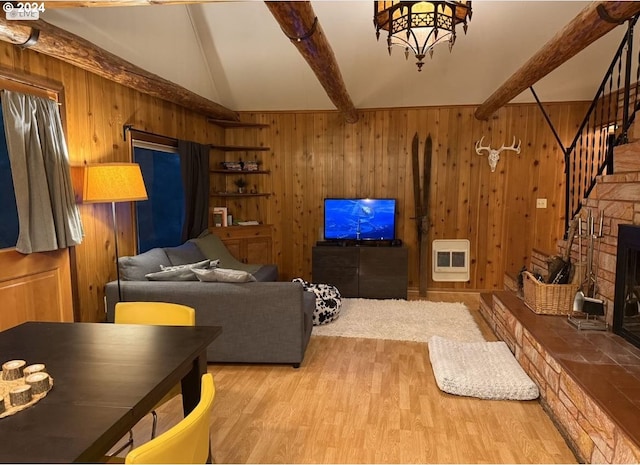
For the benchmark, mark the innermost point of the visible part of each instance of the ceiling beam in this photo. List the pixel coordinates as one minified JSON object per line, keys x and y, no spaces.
{"x":63,"y":45}
{"x":299,"y":23}
{"x":587,"y":27}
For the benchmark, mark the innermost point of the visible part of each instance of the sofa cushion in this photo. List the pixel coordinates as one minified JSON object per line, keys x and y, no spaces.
{"x":137,"y":267}
{"x":184,"y":254}
{"x":212,"y":247}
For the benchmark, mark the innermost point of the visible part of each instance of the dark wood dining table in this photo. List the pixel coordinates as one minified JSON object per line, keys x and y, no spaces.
{"x":106,"y":377}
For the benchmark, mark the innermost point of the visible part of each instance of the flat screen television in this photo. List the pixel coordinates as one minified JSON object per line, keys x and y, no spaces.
{"x":359,"y":219}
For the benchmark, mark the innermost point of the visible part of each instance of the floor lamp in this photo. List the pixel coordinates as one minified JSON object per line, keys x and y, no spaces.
{"x":110,"y":182}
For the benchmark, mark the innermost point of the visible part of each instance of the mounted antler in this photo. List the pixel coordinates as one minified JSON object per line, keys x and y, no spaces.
{"x":494,"y":154}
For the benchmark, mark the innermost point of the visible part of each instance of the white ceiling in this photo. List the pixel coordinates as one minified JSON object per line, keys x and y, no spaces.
{"x":235,"y":54}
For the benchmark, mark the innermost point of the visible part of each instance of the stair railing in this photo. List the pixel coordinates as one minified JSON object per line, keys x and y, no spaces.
{"x":605,"y":125}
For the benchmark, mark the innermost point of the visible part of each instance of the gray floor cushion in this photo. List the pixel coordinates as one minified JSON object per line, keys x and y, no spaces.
{"x":487,"y":370}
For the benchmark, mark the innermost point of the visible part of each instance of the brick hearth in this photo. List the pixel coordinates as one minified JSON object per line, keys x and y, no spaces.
{"x":589,"y":380}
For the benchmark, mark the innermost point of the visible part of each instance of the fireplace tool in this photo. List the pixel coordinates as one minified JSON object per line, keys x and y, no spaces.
{"x":586,"y":307}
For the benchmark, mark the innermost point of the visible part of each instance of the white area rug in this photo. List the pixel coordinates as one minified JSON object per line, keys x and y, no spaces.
{"x":487,"y":370}
{"x":402,"y":320}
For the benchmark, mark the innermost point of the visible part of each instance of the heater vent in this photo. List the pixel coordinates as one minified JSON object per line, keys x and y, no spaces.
{"x":450,"y":260}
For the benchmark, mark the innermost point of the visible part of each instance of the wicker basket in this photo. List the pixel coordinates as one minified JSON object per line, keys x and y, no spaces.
{"x":548,"y":299}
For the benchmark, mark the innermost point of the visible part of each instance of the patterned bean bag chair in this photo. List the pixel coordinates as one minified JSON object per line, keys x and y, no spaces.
{"x":328,"y":301}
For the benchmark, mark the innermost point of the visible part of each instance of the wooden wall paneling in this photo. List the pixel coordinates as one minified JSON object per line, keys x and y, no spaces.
{"x":335,"y":162}
{"x":484,"y":200}
{"x":518,"y":220}
{"x":466,"y":119}
{"x":310,"y":198}
{"x":297,"y":172}
{"x":499,"y":208}
{"x":366,"y":159}
{"x":349,"y":173}
{"x":336,"y":174}
{"x":321,"y":160}
{"x":400,"y":175}
{"x":385,"y":182}
{"x":439,"y":177}
{"x":448,"y":194}
{"x":552,"y":186}
{"x":286,"y":179}
{"x":539,"y":157}
{"x":276,"y":199}
{"x":475,"y":202}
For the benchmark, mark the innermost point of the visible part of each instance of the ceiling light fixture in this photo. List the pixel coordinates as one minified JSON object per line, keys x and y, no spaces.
{"x":419,"y":26}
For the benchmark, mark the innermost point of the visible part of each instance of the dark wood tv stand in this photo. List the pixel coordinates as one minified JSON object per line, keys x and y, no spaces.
{"x":362,"y":271}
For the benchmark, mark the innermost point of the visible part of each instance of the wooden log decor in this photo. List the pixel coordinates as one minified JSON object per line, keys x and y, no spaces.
{"x":20,"y":395}
{"x":39,"y":382}
{"x":63,"y":45}
{"x":13,"y":369}
{"x":36,"y":368}
{"x":28,"y":385}
{"x":299,"y":23}
{"x":587,"y":27}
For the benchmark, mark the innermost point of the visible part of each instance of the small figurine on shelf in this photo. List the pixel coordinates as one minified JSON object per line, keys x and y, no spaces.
{"x":240,"y":184}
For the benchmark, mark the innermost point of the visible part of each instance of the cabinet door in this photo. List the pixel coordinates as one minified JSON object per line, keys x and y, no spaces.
{"x":235,"y":248}
{"x":337,"y":266}
{"x":383,"y":272}
{"x":258,"y":250}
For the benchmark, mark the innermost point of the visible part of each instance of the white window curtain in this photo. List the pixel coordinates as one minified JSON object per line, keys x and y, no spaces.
{"x":48,"y":216}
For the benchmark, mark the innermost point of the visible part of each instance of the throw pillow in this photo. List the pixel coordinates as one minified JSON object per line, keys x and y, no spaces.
{"x":188,"y":266}
{"x":182,"y":274}
{"x":135,"y":268}
{"x":178,"y":272}
{"x":206,"y":276}
{"x":225,"y":275}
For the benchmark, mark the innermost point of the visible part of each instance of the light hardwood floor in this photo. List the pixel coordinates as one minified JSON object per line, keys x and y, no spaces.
{"x":365,"y":401}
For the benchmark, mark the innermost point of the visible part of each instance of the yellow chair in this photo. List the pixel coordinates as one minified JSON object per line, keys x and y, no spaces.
{"x":186,"y":442}
{"x":154,"y":313}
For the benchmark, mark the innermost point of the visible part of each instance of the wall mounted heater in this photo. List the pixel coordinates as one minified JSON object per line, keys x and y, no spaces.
{"x":450,"y":260}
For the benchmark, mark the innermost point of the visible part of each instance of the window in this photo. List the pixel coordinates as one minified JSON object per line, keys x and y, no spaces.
{"x":8,"y":211}
{"x":159,"y":219}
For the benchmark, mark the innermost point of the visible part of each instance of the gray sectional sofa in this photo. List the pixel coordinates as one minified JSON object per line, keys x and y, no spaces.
{"x":262,"y":322}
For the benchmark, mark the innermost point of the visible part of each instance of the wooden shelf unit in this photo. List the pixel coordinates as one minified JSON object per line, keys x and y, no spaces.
{"x":252,"y":203}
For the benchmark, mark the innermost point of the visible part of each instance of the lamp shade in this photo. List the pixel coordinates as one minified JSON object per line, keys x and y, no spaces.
{"x":108,"y":182}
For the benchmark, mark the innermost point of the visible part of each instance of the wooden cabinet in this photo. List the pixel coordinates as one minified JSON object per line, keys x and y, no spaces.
{"x":249,"y":244}
{"x":367,"y":272}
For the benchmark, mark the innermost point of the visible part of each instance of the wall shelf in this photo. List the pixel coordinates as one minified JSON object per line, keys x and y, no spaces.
{"x":240,"y":171}
{"x":237,"y":194}
{"x":236,"y":124}
{"x":239,"y":148}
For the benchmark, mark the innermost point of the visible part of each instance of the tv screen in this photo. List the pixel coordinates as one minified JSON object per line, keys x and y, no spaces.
{"x":359,"y":219}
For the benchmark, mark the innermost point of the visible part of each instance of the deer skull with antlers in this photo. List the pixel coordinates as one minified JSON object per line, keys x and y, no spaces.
{"x":494,"y":154}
